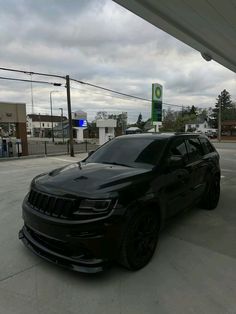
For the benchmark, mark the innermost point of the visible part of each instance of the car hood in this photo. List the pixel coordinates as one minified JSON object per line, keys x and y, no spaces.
{"x":89,"y":180}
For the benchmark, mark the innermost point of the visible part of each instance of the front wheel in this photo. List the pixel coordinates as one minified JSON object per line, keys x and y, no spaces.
{"x":212,"y":194}
{"x":139,"y":239}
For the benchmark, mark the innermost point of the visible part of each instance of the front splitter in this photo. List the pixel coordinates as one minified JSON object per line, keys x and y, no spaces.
{"x":79,"y":265}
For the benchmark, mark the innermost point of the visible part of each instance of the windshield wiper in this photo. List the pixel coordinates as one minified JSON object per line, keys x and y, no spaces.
{"x":116,"y":164}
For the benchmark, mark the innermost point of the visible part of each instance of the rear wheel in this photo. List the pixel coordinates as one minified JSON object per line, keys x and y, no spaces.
{"x":139,"y":239}
{"x":212,"y":194}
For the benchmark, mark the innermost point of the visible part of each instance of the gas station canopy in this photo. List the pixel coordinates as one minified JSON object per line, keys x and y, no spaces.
{"x":208,"y":26}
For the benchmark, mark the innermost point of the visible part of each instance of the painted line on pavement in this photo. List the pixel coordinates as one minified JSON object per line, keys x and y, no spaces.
{"x":61,"y":159}
{"x":228,"y":159}
{"x":228,"y":170}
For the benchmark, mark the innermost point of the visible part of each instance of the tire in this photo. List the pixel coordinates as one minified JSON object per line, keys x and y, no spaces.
{"x":212,"y":194}
{"x":139,"y":240}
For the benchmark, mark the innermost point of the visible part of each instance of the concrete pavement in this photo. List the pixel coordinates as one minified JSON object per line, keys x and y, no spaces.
{"x":193,"y":270}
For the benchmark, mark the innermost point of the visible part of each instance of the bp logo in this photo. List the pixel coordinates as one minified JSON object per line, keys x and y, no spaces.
{"x":158,"y":92}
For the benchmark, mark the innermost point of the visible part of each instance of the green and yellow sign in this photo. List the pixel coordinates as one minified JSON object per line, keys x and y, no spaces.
{"x":156,"y":102}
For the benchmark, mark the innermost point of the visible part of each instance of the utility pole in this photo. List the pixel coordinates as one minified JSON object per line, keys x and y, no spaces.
{"x":51,"y":115}
{"x":69,"y":116}
{"x":219,"y":123}
{"x":62,"y":130}
{"x":32,"y":96}
{"x":40,"y":130}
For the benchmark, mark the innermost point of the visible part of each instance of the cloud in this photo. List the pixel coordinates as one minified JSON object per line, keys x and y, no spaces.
{"x":102,"y":43}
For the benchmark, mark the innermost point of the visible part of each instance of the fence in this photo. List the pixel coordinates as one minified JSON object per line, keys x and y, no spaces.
{"x":48,"y":148}
{"x":44,"y":148}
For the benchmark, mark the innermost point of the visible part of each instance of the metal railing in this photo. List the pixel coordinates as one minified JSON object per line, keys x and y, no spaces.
{"x":45,"y":148}
{"x":49,"y":148}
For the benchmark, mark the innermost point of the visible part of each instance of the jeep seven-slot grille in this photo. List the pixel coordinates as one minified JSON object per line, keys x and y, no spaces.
{"x":51,"y":205}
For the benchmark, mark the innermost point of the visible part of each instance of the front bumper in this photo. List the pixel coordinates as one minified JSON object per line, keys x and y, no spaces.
{"x":82,"y":246}
{"x":78,"y":264}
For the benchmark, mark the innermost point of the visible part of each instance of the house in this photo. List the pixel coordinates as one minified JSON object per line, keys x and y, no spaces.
{"x":39,"y":125}
{"x":199,"y":125}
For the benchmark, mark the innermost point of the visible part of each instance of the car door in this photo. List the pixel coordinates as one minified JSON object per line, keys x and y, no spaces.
{"x":177,"y":179}
{"x":197,"y":166}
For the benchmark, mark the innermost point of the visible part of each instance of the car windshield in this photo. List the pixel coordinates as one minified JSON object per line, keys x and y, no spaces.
{"x":130,"y":152}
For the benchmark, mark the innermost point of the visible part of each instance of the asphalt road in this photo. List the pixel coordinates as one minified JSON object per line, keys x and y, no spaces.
{"x":193,"y":270}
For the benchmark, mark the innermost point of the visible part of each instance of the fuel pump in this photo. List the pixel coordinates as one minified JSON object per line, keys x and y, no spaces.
{"x":4,"y":147}
{"x":10,"y":148}
{"x":18,"y":147}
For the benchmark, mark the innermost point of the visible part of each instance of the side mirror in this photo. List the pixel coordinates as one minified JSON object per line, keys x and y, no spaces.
{"x":175,"y":162}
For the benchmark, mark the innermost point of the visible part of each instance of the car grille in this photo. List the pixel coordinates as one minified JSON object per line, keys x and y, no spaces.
{"x":51,"y":205}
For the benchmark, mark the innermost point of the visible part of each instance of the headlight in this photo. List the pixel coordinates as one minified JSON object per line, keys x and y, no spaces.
{"x":97,"y":206}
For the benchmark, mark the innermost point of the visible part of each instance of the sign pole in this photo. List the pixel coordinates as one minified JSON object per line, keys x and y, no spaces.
{"x":69,"y":116}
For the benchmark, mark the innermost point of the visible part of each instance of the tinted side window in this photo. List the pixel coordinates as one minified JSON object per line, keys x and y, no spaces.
{"x":178,"y":148}
{"x":130,"y":151}
{"x":206,"y":145}
{"x":195,"y":150}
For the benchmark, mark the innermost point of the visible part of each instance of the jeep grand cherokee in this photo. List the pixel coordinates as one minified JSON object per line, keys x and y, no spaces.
{"x":111,"y":206}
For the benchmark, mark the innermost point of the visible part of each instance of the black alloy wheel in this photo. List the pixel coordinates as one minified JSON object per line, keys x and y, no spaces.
{"x":140,"y":240}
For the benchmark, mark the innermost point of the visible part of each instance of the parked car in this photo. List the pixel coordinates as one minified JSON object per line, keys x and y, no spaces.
{"x":225,"y":133}
{"x":112,"y":206}
{"x":211,"y":134}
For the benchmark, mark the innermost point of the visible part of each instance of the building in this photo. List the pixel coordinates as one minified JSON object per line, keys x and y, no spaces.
{"x":197,"y":126}
{"x":39,"y":125}
{"x":13,"y":123}
{"x":106,"y":129}
{"x":228,"y":127}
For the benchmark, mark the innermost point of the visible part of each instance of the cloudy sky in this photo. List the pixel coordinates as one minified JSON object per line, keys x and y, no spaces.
{"x":99,"y":42}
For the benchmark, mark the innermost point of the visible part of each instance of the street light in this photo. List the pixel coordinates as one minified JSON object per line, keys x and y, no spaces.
{"x":62,"y":130}
{"x":219,"y":123}
{"x":54,"y":91}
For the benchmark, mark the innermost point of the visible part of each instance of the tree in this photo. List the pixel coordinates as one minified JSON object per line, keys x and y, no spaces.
{"x":140,"y":123}
{"x":121,"y":120}
{"x":203,"y":114}
{"x":140,"y":118}
{"x":193,"y":111}
{"x":175,"y":121}
{"x":224,"y":102}
{"x":181,"y":121}
{"x":101,"y":115}
{"x":168,"y":123}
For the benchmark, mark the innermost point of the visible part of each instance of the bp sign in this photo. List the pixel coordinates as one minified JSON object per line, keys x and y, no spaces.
{"x":156,"y":102}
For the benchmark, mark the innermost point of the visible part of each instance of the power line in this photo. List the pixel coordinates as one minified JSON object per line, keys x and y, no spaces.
{"x":25,"y":80}
{"x":110,"y":90}
{"x":131,"y":96}
{"x":84,"y":83}
{"x":78,"y":81}
{"x":122,"y":94}
{"x":108,"y":95}
{"x":32,"y":73}
{"x":102,"y":94}
{"x":180,"y":106}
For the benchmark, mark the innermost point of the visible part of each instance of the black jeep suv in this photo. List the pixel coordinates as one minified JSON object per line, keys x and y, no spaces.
{"x":112,"y":205}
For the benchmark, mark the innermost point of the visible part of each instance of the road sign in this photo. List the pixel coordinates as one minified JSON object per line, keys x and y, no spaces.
{"x":157,"y":102}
